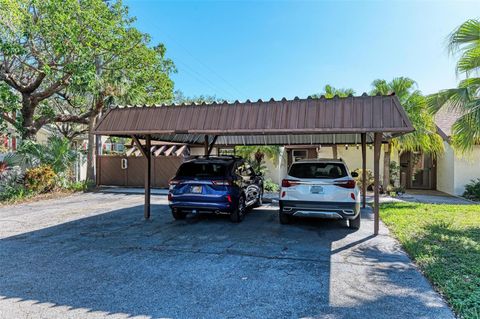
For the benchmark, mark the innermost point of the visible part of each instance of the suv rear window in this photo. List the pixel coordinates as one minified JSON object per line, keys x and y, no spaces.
{"x":198,"y":169}
{"x":318,"y":170}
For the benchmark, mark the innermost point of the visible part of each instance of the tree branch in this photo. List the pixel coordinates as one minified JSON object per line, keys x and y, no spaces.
{"x":52,"y":89}
{"x":7,"y":118}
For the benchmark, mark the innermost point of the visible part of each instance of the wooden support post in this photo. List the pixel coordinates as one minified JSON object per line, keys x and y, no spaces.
{"x":335,"y":151}
{"x":210,"y":148}
{"x":206,"y":145}
{"x":376,"y":175}
{"x":146,"y":152}
{"x":148,"y":177}
{"x":364,"y":169}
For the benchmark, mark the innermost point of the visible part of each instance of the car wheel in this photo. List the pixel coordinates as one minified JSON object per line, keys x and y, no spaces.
{"x":285,"y":219}
{"x":239,"y":212}
{"x":354,"y":223}
{"x":259,"y":201}
{"x":178,"y":214}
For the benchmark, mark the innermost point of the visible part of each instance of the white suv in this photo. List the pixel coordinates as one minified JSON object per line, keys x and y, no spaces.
{"x":322,"y":188}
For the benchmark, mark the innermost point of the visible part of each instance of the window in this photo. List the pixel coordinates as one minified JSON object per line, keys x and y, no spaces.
{"x":318,"y":170}
{"x":202,"y":170}
{"x":298,"y":155}
{"x":226,"y":151}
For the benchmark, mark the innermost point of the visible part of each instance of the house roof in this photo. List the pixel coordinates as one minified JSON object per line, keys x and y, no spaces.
{"x":445,"y":118}
{"x":284,"y":122}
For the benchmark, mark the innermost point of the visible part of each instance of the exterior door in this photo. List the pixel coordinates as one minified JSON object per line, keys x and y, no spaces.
{"x":417,"y":170}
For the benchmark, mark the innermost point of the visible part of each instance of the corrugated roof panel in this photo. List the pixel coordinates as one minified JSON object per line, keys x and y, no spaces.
{"x":280,"y":118}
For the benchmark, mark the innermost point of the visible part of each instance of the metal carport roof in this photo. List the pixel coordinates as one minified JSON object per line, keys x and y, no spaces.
{"x":287,"y":122}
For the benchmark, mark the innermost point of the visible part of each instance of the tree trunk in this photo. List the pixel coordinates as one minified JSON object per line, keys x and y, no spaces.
{"x":29,"y":131}
{"x":386,"y":165}
{"x":91,"y":148}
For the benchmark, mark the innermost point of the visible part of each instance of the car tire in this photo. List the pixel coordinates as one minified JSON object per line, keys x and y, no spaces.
{"x":237,"y":215}
{"x":354,"y":223}
{"x":178,"y":214}
{"x":259,"y":201}
{"x":285,"y":219}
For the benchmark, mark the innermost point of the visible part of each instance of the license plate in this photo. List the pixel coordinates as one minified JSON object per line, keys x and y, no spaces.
{"x":196,"y":189}
{"x":316,"y":190}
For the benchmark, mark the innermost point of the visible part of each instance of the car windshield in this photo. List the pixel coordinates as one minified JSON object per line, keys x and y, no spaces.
{"x":318,"y":170}
{"x":198,"y":169}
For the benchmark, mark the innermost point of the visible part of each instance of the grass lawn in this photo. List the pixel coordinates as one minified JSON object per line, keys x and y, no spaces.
{"x":444,"y":241}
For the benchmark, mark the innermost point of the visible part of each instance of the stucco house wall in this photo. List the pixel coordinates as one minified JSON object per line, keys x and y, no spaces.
{"x":446,"y":170}
{"x":466,"y":169}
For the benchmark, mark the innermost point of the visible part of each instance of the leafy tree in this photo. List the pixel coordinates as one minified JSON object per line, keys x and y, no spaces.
{"x":208,"y":99}
{"x":46,"y":46}
{"x":329,"y":92}
{"x":465,"y":98}
{"x":424,"y":138}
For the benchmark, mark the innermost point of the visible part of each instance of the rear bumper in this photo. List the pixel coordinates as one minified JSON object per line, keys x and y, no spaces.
{"x":204,"y":207}
{"x":335,"y":210}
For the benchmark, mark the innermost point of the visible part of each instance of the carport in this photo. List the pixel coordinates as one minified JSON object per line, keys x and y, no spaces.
{"x":326,"y":122}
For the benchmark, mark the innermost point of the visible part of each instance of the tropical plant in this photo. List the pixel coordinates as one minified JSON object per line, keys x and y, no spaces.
{"x":330,"y":92}
{"x":270,"y":186}
{"x":424,"y":138}
{"x":465,"y":98}
{"x":40,"y":179}
{"x":472,"y":190}
{"x":57,"y":153}
{"x":359,"y":179}
{"x":256,"y":155}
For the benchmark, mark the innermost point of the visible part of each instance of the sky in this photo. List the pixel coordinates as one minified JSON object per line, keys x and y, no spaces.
{"x":238,"y":50}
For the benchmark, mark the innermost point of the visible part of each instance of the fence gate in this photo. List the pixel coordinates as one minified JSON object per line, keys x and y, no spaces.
{"x":116,"y":170}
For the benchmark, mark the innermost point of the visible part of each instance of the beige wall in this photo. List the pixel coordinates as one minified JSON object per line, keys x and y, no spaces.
{"x":446,"y":171}
{"x":466,"y":169}
{"x":455,"y":171}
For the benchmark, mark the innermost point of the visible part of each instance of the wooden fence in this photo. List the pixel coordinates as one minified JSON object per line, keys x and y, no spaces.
{"x":113,"y":170}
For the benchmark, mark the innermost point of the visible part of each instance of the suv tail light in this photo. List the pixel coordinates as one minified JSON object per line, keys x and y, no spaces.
{"x":172,"y":183}
{"x":345,"y":184}
{"x":221,"y":183}
{"x":289,"y":182}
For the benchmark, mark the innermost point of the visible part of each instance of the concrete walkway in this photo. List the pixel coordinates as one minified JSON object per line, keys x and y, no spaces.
{"x":93,"y":256}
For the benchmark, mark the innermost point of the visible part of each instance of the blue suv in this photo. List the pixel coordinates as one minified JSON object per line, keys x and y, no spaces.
{"x":221,"y":185}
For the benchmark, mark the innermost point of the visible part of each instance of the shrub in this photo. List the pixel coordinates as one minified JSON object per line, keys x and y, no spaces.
{"x":40,"y":179}
{"x":472,"y":190}
{"x":57,"y":153}
{"x":80,"y":186}
{"x":370,"y":179}
{"x":14,"y":192}
{"x":10,"y":182}
{"x":270,"y":186}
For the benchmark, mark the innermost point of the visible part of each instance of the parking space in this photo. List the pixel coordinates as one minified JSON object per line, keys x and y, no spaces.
{"x":94,"y":256}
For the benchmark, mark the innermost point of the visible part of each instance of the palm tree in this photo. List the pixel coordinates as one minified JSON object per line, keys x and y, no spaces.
{"x":465,"y":99}
{"x":256,"y":155}
{"x":424,"y":138}
{"x":329,"y":92}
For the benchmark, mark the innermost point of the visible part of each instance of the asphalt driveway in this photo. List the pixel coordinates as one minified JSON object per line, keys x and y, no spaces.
{"x":93,"y":256}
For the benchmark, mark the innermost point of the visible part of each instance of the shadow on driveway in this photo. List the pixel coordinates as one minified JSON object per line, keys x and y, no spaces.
{"x":116,"y":264}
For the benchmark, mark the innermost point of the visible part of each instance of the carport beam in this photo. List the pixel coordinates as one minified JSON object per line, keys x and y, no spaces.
{"x":146,"y":152}
{"x":376,"y":175}
{"x":364,"y":169}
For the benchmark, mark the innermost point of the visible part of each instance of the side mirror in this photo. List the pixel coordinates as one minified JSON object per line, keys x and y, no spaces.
{"x":354,"y":174}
